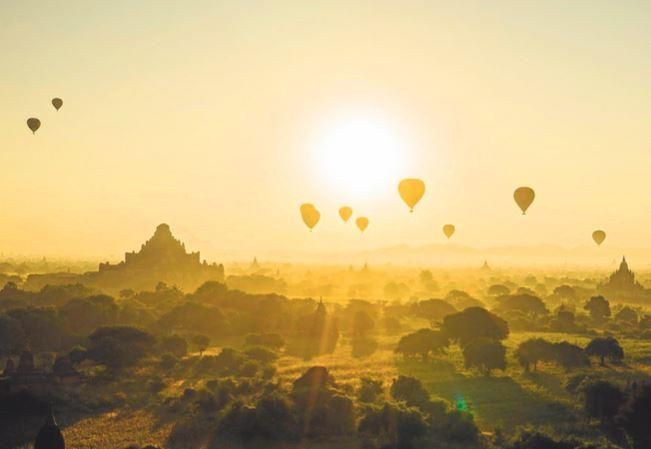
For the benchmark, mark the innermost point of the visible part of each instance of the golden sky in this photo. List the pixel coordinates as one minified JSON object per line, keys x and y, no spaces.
{"x":220,"y":118}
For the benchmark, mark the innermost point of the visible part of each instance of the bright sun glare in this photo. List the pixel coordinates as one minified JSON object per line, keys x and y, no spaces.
{"x":358,"y":156}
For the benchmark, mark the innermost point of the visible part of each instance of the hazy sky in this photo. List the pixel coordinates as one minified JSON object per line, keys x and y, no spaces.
{"x":220,"y":118}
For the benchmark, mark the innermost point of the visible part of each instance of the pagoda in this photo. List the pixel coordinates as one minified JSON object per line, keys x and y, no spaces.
{"x":622,"y":284}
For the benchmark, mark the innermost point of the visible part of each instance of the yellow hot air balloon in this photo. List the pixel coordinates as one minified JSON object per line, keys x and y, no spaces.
{"x":310,"y":215}
{"x":411,"y":191}
{"x":448,"y":230}
{"x":57,"y":103}
{"x":345,"y":213}
{"x":598,"y":236}
{"x":362,"y":223}
{"x":524,"y":196}
{"x":33,"y":124}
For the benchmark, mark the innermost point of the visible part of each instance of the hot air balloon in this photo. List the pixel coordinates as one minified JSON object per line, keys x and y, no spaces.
{"x":345,"y":213}
{"x":524,"y":197}
{"x":598,"y":236}
{"x":310,"y":215}
{"x":57,"y":103}
{"x":362,"y":223}
{"x":411,"y":191}
{"x":448,"y":230}
{"x":33,"y":124}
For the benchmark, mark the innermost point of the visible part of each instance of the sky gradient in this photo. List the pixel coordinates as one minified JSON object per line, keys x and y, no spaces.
{"x":210,"y":116}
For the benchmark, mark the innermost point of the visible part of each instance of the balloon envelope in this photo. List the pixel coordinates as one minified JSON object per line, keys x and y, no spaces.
{"x":310,"y":215}
{"x":448,"y":230}
{"x":362,"y":223}
{"x":345,"y":213}
{"x":524,"y":196}
{"x":411,"y":191}
{"x":57,"y":103}
{"x":598,"y":236}
{"x":33,"y":124}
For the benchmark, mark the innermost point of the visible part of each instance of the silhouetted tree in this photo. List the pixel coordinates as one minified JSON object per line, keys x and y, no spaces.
{"x":174,"y":344}
{"x":369,"y":389}
{"x":423,"y":342}
{"x":532,"y":351}
{"x":602,"y":400}
{"x":201,"y":342}
{"x":524,"y":303}
{"x":474,"y":323}
{"x":498,"y":290}
{"x":570,"y":356}
{"x":362,"y":324}
{"x":627,"y":315}
{"x":410,"y":390}
{"x":485,"y":355}
{"x":636,"y":416}
{"x":432,"y":310}
{"x":120,"y":346}
{"x":605,"y":347}
{"x":598,"y":307}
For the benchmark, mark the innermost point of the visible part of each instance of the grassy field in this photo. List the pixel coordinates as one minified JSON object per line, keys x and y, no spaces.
{"x":504,"y":400}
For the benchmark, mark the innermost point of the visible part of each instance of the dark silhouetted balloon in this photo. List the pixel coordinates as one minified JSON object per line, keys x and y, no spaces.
{"x":411,"y":191}
{"x":524,"y":197}
{"x":598,"y":236}
{"x":362,"y":223}
{"x":310,"y":215}
{"x":448,"y":230}
{"x":57,"y":103}
{"x":33,"y":124}
{"x":345,"y":213}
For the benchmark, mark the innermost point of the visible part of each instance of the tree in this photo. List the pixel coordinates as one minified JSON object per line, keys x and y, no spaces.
{"x":423,"y":342}
{"x":362,"y":324}
{"x":636,"y":416}
{"x":598,"y":307}
{"x":12,"y":337}
{"x":83,"y":315}
{"x":565,"y":292}
{"x":569,"y":356}
{"x":270,"y":340}
{"x":42,"y":327}
{"x":498,"y":290}
{"x":369,"y":389}
{"x":432,"y":310}
{"x":192,"y":316}
{"x":474,"y":323}
{"x":119,"y":347}
{"x":627,"y":315}
{"x":174,"y":344}
{"x":602,"y":400}
{"x":410,"y":390}
{"x":485,"y":355}
{"x":532,"y":351}
{"x":201,"y":342}
{"x":605,"y":347}
{"x":527,"y":304}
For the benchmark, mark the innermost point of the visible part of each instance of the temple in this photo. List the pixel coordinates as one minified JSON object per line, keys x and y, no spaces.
{"x":162,"y":249}
{"x":622,"y":284}
{"x":162,"y":258}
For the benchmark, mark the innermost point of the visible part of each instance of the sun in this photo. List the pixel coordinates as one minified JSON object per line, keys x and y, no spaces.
{"x":358,"y":156}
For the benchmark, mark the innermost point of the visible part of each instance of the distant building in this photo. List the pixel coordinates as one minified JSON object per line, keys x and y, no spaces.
{"x":162,"y":258}
{"x":622,"y":284}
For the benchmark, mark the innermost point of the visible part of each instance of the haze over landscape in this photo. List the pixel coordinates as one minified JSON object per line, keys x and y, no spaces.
{"x":329,"y":224}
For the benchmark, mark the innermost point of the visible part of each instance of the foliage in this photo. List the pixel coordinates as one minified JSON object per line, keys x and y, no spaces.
{"x":605,"y":348}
